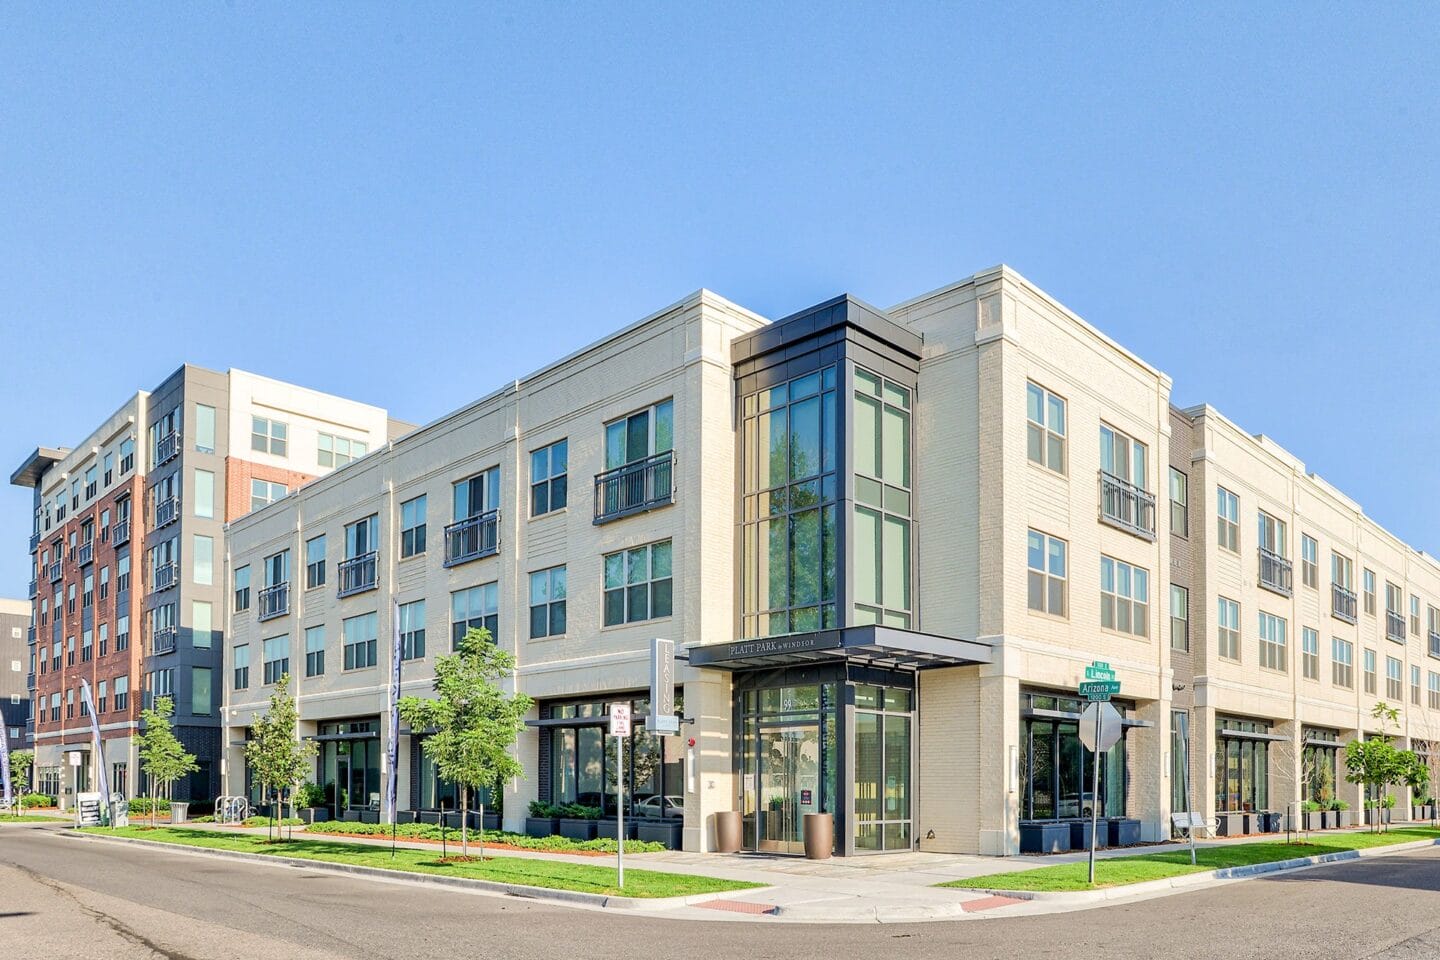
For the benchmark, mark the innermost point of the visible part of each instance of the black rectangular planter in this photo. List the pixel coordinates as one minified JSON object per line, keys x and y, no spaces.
{"x":541,"y":827}
{"x":492,"y":820}
{"x":369,"y":816}
{"x":669,"y":832}
{"x":314,"y":814}
{"x":351,"y":816}
{"x":1080,"y":835}
{"x":1122,"y":833}
{"x":610,"y":828}
{"x":572,"y":829}
{"x":1044,"y":838}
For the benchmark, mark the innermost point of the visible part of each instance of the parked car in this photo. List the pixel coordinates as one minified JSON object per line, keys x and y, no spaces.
{"x":657,"y":807}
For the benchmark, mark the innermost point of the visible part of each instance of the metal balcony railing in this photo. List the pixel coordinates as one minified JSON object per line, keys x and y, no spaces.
{"x":166,"y":575}
{"x":472,"y":538}
{"x":120,"y":532}
{"x":55,"y":572}
{"x":34,"y":541}
{"x":1276,"y":574}
{"x":1434,"y":644}
{"x":1394,"y":626}
{"x":166,"y":448}
{"x":273,"y":601}
{"x":29,"y":681}
{"x":1124,"y":505}
{"x":635,"y":488}
{"x":1342,"y":603}
{"x":357,"y":574}
{"x":164,"y":640}
{"x":167,"y":511}
{"x":30,"y":635}
{"x":34,"y":589}
{"x":85,"y":553}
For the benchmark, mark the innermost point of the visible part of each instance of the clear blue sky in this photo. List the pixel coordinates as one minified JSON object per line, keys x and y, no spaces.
{"x":1247,"y":198}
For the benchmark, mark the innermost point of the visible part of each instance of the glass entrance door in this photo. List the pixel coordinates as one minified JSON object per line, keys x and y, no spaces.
{"x":342,"y":779}
{"x":789,"y":787}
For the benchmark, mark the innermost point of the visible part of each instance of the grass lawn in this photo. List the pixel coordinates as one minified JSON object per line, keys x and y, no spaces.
{"x":1118,"y":871}
{"x":532,"y":872}
{"x":36,"y":818}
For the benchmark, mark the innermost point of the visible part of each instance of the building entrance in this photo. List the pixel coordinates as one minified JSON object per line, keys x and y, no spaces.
{"x":789,"y":782}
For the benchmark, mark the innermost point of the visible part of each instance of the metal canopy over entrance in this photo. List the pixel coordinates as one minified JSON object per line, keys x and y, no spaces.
{"x":886,"y":647}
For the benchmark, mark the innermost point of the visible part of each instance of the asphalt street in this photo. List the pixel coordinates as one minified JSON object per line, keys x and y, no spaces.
{"x":63,"y":897}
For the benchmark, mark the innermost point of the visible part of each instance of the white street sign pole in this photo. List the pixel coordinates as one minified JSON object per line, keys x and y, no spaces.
{"x":1095,"y":796}
{"x":620,"y":809}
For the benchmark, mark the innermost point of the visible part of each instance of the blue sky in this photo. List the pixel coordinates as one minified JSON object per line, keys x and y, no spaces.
{"x":1246,"y":197}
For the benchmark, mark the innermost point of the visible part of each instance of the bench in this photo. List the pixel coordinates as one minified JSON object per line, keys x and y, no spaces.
{"x":1187,"y":823}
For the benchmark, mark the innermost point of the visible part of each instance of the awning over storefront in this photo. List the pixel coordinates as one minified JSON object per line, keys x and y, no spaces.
{"x":1227,"y":734}
{"x":878,"y":646}
{"x":332,"y":737}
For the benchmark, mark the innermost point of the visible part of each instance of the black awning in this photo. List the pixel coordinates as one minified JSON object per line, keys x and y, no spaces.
{"x":887,"y":647}
{"x":332,"y":737}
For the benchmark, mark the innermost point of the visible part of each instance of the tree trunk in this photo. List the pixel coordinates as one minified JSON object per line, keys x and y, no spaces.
{"x":464,"y":821}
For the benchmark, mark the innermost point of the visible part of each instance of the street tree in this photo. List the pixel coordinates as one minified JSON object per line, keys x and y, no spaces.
{"x":277,"y":757}
{"x":162,"y":755}
{"x":475,"y":722}
{"x":1375,"y":763}
{"x":20,"y":762}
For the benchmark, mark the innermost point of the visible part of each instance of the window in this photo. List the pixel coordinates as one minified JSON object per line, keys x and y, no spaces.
{"x":87,"y":645}
{"x":201,"y":701}
{"x":1342,"y":666}
{"x":104,"y":640}
{"x":70,"y":704}
{"x":1242,"y":766}
{"x":204,"y":560}
{"x":1227,"y":507}
{"x":358,"y":634}
{"x":1273,"y":535}
{"x":1414,"y":615}
{"x":276,"y":569}
{"x":122,"y":633}
{"x":337,"y":451}
{"x":268,"y":436}
{"x":242,"y":589}
{"x":127,"y":460}
{"x":202,"y":624}
{"x":315,"y":562}
{"x":1370,"y":672}
{"x":1394,"y":681}
{"x":102,"y":690}
{"x":70,"y":651}
{"x":412,"y":630}
{"x":1179,"y":503}
{"x":1370,"y":592}
{"x":476,"y":608}
{"x":1179,"y":618}
{"x":882,"y":459}
{"x":87,"y":595}
{"x":205,"y":494}
{"x":638,"y":584}
{"x":161,"y":431}
{"x":361,"y":537}
{"x":549,"y":485}
{"x":412,"y":527}
{"x":1124,"y":597}
{"x":242,"y":667}
{"x":1048,"y":586}
{"x":1229,"y":629}
{"x":547,"y":603}
{"x":122,"y":693}
{"x":104,"y":582}
{"x":1272,"y":642}
{"x":1309,"y":561}
{"x":1434,"y":690}
{"x":1415,"y":685}
{"x":1045,"y":431}
{"x":92,"y":483}
{"x":1310,"y":653}
{"x":476,"y":495}
{"x":315,"y":651}
{"x":275,"y":652}
{"x":1122,"y":457}
{"x":1433,"y":622}
{"x":264,"y":492}
{"x":204,"y":428}
{"x":640,"y":435}
{"x":109,"y":468}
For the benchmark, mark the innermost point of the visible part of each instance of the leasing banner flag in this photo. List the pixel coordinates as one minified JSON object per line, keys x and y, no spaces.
{"x":392,"y":749}
{"x":99,"y":752}
{"x":5,"y":762}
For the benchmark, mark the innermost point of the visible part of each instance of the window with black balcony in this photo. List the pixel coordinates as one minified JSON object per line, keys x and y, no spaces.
{"x":476,"y":530}
{"x":1125,"y":500}
{"x":639,"y":463}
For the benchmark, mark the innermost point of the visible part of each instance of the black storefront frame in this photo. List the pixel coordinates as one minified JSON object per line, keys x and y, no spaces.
{"x":549,"y":724}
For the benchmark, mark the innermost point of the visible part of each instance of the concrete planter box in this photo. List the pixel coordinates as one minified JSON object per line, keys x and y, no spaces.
{"x":1080,"y":835}
{"x":1122,"y":833}
{"x":669,"y":832}
{"x":1345,"y":818}
{"x":1274,"y":822}
{"x":351,"y":816}
{"x":1424,"y":812}
{"x":314,"y":814}
{"x":1044,"y":838}
{"x":610,"y":829}
{"x":1331,"y":818}
{"x":1230,"y":824}
{"x":1372,"y":817}
{"x":541,"y":827}
{"x":369,"y":816}
{"x":572,"y":829}
{"x":1315,"y":820}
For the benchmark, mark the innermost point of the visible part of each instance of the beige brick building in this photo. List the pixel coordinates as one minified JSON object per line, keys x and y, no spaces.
{"x":888,"y":544}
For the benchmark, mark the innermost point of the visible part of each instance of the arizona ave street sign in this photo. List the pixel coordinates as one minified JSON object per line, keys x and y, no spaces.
{"x":1108,"y":734}
{"x":1094,"y":690}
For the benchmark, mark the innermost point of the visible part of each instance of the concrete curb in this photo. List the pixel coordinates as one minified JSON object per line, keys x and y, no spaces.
{"x":1246,"y":872}
{"x":567,"y":897}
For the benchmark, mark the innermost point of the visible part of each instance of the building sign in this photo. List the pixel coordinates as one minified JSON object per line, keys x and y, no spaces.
{"x":662,"y":688}
{"x":772,"y":646}
{"x":87,"y":807}
{"x":619,"y":719}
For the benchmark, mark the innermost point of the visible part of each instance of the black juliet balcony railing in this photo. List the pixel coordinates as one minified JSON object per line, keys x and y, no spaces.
{"x":120,"y":533}
{"x":1394,"y":626}
{"x":166,"y":448}
{"x":1276,"y":574}
{"x":167,"y":511}
{"x":472,"y":538}
{"x":635,"y":488}
{"x":163,"y":640}
{"x":166,"y":576}
{"x":357,"y":574}
{"x":273,"y":601}
{"x":85,"y":553}
{"x":1342,"y":603}
{"x":1124,"y":505}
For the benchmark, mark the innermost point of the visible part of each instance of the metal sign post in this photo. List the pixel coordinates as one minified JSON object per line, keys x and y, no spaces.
{"x":1100,"y":729}
{"x":620,"y":730}
{"x":1094,"y":797}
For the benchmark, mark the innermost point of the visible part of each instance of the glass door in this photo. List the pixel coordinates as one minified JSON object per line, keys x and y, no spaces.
{"x":789,"y":785}
{"x":342,"y":779}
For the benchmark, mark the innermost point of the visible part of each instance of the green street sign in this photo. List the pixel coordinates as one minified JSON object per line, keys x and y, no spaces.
{"x":1099,"y":690}
{"x":1099,"y":670}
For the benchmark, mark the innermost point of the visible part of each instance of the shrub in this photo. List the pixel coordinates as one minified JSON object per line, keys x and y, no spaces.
{"x":1339,"y":805}
{"x":37,"y":800}
{"x":207,"y":818}
{"x":310,"y":795}
{"x":579,"y":811}
{"x":542,"y":810}
{"x":142,"y":805}
{"x":266,"y":821}
{"x":431,"y":831}
{"x":1310,"y":806}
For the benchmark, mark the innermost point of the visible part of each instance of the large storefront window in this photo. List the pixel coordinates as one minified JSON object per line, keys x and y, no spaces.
{"x":1320,"y":764}
{"x":789,"y":765}
{"x":1057,"y":772}
{"x":883,"y":725}
{"x":436,"y":793}
{"x":1242,"y":766}
{"x":582,"y":762}
{"x":1179,"y":758}
{"x":882,"y":501}
{"x":350,"y":765}
{"x":788,"y":583}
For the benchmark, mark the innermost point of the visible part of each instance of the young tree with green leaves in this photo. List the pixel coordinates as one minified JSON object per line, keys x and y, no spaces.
{"x":162,"y":755}
{"x":1374,"y":763}
{"x":475,"y":721}
{"x":20,"y":762}
{"x":277,"y":757}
